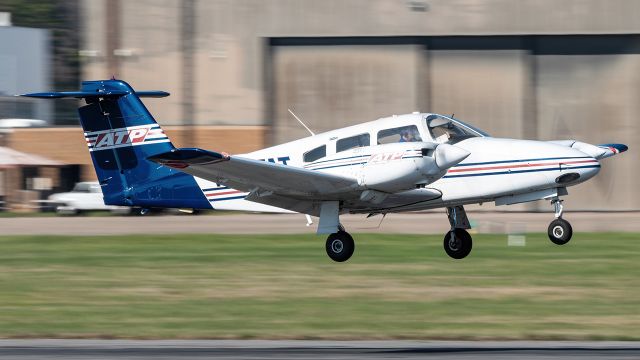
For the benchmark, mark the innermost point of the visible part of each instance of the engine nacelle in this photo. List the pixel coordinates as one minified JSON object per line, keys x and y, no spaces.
{"x":403,"y":166}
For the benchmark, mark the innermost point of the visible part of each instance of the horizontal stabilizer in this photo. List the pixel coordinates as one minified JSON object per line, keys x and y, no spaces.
{"x":90,"y":94}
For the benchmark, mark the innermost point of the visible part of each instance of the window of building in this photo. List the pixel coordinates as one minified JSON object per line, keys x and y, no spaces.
{"x":352,"y":142}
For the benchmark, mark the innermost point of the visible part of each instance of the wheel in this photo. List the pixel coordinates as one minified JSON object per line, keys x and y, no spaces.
{"x":121,"y":211}
{"x":560,"y":231}
{"x":457,"y":243}
{"x":67,"y":210}
{"x":340,"y":246}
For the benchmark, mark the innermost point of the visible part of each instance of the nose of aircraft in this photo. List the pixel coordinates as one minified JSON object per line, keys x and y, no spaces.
{"x":449,"y":155}
{"x":578,"y":169}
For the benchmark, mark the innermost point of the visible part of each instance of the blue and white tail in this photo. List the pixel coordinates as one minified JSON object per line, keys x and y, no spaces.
{"x":121,"y":135}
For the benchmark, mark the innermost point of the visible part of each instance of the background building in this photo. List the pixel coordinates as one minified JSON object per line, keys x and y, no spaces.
{"x":24,"y":65}
{"x":537,"y":69}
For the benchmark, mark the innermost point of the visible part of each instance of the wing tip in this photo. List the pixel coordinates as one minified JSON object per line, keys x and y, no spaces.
{"x":615,"y":148}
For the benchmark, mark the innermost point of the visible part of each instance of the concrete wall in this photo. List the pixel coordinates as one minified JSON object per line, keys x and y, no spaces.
{"x":537,"y":69}
{"x":328,"y":86}
{"x":593,"y":96}
{"x":230,"y":56}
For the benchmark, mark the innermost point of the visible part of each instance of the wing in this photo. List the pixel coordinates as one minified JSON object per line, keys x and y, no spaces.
{"x":256,"y":176}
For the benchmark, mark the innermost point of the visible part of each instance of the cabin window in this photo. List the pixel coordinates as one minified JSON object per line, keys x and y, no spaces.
{"x":400,"y":134}
{"x":82,"y":187}
{"x":445,"y":130}
{"x":315,"y":154}
{"x":352,"y":142}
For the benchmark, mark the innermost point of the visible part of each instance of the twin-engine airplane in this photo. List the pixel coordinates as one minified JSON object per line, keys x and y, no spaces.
{"x":401,"y":163}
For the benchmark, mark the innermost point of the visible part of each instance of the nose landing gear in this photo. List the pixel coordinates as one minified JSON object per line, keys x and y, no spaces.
{"x":559,"y":230}
{"x":457,"y":242}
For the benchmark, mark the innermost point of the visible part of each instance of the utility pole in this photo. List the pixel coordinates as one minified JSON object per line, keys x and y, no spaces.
{"x":112,"y":24}
{"x":187,"y":37}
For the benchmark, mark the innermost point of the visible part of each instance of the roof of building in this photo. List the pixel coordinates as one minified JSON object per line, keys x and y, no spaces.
{"x":13,"y":158}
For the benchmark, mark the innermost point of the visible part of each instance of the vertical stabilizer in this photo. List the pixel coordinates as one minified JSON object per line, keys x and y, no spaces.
{"x":121,"y":134}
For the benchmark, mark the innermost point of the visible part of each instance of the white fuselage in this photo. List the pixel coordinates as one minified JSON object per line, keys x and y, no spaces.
{"x":403,"y":176}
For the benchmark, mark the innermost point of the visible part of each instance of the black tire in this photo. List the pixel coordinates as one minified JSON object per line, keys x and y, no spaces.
{"x":340,"y":246}
{"x":460,"y":245}
{"x":70,"y":212}
{"x":560,"y":231}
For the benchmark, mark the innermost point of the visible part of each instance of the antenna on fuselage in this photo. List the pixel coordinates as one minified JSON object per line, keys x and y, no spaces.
{"x":301,"y":123}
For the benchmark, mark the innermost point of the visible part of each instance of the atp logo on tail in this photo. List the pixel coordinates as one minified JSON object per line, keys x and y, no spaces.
{"x":120,"y":138}
{"x":130,"y":136}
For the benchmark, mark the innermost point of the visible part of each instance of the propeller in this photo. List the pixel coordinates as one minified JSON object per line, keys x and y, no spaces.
{"x":449,"y":155}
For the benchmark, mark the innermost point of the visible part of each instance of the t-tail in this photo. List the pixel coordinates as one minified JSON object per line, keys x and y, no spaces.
{"x":121,"y":135}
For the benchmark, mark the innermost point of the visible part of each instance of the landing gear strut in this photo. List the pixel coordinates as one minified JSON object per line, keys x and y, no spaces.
{"x":340,"y":246}
{"x":559,"y":230}
{"x":458,"y":242}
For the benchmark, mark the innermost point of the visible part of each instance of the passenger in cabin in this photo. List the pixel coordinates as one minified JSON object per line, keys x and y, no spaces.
{"x":408,"y":136}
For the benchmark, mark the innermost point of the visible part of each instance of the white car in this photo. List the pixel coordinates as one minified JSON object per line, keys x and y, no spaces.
{"x":22,"y":123}
{"x":85,"y":196}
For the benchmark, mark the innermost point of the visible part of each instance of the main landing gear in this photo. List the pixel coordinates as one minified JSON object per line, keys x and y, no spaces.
{"x":560,"y":230}
{"x":458,"y":242}
{"x":340,"y":246}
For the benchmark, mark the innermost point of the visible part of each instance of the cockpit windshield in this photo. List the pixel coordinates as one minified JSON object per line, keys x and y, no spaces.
{"x":448,"y":130}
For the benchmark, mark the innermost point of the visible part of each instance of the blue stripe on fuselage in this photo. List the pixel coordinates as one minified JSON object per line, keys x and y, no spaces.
{"x":520,"y":171}
{"x":217,"y":188}
{"x":335,"y":166}
{"x":522,"y":160}
{"x":345,"y":158}
{"x":229,"y":198}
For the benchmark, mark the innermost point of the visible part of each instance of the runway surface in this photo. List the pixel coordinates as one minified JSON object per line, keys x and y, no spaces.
{"x":263,"y":349}
{"x":239,"y":223}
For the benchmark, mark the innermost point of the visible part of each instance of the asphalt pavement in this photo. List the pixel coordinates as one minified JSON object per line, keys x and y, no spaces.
{"x":241,"y":223}
{"x":302,"y":349}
